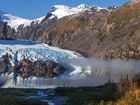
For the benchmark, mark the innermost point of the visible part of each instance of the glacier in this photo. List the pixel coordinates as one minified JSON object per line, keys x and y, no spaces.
{"x":33,"y":51}
{"x":80,"y":71}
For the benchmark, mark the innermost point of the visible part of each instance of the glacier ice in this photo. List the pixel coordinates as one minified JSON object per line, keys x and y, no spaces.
{"x":34,"y":51}
{"x":80,"y":71}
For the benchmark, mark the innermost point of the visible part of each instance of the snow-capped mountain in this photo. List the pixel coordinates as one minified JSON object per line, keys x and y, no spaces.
{"x":15,"y":21}
{"x":58,"y":11}
{"x":62,"y":10}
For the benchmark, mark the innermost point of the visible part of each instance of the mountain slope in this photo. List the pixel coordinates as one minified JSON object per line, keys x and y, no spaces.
{"x":14,"y":21}
{"x":57,"y":10}
{"x":93,"y":31}
{"x":104,"y":34}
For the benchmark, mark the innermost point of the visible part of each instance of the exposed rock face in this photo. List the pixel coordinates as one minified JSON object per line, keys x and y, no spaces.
{"x":4,"y":62}
{"x":106,"y":35}
{"x":34,"y":31}
{"x":103,"y":34}
{"x":6,"y":32}
{"x":26,"y":68}
{"x":48,"y":69}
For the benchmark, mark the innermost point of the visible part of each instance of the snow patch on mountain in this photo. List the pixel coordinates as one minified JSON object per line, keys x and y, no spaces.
{"x":58,"y":11}
{"x":99,"y":8}
{"x":15,"y":21}
{"x":82,"y":6}
{"x":61,"y":10}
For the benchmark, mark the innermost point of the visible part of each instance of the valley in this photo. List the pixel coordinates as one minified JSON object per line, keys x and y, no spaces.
{"x":69,"y":53}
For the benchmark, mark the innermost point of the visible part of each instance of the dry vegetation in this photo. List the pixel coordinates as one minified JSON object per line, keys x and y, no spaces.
{"x":128,"y":93}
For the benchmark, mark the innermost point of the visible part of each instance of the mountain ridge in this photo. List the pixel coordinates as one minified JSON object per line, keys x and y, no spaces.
{"x":107,"y":33}
{"x":59,"y":11}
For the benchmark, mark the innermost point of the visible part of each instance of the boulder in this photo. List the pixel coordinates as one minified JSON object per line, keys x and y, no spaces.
{"x":48,"y":69}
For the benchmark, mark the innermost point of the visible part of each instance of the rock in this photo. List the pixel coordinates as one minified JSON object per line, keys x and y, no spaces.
{"x":4,"y":62}
{"x":131,"y":53}
{"x":138,"y":48}
{"x":48,"y":69}
{"x":124,"y":53}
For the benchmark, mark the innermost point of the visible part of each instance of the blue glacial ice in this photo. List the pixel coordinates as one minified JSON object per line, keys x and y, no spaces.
{"x":41,"y":54}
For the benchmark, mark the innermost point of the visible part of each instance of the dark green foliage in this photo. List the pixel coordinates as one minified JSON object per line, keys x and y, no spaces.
{"x":81,"y":95}
{"x":19,"y":101}
{"x":11,"y":96}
